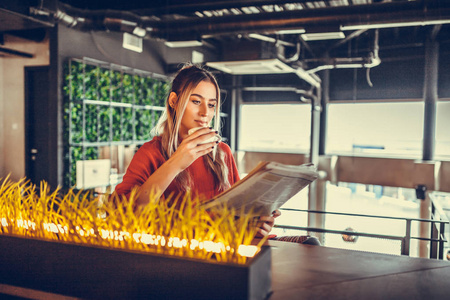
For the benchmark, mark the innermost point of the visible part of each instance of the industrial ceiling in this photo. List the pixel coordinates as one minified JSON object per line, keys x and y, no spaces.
{"x":305,"y":34}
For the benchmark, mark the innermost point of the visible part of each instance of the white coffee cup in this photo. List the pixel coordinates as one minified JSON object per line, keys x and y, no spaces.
{"x":215,"y":138}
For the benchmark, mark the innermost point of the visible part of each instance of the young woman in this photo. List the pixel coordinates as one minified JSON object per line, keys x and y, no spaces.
{"x":175,"y":162}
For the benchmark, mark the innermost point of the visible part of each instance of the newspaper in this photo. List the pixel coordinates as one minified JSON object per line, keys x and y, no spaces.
{"x":266,"y":188}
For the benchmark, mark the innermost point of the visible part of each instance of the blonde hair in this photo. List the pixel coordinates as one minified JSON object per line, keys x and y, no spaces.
{"x":185,"y":81}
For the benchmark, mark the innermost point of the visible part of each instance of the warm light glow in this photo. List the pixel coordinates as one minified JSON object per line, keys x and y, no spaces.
{"x":247,"y":250}
{"x":76,"y":217}
{"x":144,"y":238}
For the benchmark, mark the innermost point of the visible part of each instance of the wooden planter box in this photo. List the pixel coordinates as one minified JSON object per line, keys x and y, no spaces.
{"x":101,"y":273}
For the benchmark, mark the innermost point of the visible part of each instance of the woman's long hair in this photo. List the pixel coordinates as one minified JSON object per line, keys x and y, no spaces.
{"x":185,"y":81}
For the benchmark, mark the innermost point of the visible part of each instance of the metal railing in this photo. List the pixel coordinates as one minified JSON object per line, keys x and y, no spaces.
{"x":437,"y":235}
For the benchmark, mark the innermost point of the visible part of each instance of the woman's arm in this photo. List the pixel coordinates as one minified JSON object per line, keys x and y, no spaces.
{"x":188,"y":151}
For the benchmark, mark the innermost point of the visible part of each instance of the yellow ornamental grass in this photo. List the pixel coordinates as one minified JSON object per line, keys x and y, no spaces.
{"x":179,"y":227}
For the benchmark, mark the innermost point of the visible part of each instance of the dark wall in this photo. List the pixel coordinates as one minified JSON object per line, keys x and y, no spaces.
{"x":400,"y":77}
{"x":395,"y":79}
{"x":444,"y":74}
{"x":107,"y":46}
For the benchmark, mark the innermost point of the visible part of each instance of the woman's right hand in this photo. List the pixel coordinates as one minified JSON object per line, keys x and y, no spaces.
{"x":192,"y":147}
{"x":188,"y":151}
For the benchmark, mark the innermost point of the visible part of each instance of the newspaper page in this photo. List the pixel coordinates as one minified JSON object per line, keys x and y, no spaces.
{"x":266,"y":188}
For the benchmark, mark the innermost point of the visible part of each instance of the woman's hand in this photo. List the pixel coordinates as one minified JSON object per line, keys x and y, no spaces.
{"x":266,"y":223}
{"x":188,"y":151}
{"x":192,"y":147}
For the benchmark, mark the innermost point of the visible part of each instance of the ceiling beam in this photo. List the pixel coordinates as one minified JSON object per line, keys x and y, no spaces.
{"x":383,"y":15}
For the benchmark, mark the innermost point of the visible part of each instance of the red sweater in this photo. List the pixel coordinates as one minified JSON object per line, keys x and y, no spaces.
{"x":149,"y":158}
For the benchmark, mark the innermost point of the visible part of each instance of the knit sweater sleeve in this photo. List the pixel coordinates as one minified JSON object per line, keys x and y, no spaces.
{"x":144,"y":163}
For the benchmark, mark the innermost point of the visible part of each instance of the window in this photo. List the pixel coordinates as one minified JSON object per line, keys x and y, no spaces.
{"x":442,"y":145}
{"x":108,"y":108}
{"x":377,"y":128}
{"x":275,"y":127}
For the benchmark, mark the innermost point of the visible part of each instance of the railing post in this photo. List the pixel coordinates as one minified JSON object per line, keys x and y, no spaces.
{"x":433,"y":244}
{"x":425,"y":213}
{"x":441,"y":242}
{"x":406,"y":242}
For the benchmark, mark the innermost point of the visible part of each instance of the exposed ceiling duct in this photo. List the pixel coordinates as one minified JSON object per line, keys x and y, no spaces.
{"x":382,"y":15}
{"x":246,"y":67}
{"x":276,"y":22}
{"x":263,"y":66}
{"x":371,"y":61}
{"x":191,"y":27}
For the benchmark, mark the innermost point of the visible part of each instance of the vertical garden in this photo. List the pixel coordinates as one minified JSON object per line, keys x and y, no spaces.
{"x":107,"y":105}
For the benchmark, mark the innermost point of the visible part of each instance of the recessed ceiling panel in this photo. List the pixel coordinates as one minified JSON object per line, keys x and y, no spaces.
{"x":248,"y":67}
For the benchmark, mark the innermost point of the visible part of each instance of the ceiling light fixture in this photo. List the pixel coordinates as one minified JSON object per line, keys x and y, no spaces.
{"x":248,"y":67}
{"x":261,"y":37}
{"x":319,"y":36}
{"x":139,"y":31}
{"x":291,"y":31}
{"x":183,"y":44}
{"x":393,"y":25}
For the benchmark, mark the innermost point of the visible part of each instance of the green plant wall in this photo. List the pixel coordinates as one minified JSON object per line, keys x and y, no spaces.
{"x":107,"y":105}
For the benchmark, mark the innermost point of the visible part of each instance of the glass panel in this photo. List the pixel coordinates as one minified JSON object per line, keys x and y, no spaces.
{"x":104,"y":125}
{"x":143,"y":124}
{"x":376,"y":128}
{"x":91,"y":82}
{"x":117,"y":123}
{"x":91,"y":123}
{"x":77,"y":75}
{"x":116,"y":86}
{"x":161,"y":90}
{"x":127,"y":124}
{"x":76,"y":116}
{"x":443,"y":130}
{"x":127,"y":88}
{"x":275,"y":127}
{"x":137,"y":83}
{"x":104,"y":84}
{"x":147,"y":91}
{"x":76,"y":153}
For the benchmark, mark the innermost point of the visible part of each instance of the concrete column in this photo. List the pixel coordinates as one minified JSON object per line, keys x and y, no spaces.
{"x":425,"y":227}
{"x":430,"y":98}
{"x":314,"y":156}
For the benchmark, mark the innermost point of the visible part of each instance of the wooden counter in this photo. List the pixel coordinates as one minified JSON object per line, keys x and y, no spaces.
{"x":312,"y":272}
{"x":315,"y":272}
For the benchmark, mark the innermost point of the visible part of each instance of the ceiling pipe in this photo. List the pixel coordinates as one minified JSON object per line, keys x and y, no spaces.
{"x":371,"y":61}
{"x":348,"y":38}
{"x":201,"y":6}
{"x":384,"y":15}
{"x":280,"y":46}
{"x":99,"y":20}
{"x":281,"y":53}
{"x":269,"y":39}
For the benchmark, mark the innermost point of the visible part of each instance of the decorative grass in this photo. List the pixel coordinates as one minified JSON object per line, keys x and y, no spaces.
{"x":181,"y":228}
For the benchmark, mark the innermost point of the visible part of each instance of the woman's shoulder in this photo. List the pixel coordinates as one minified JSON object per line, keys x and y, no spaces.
{"x":224,"y":147}
{"x":154,"y":145}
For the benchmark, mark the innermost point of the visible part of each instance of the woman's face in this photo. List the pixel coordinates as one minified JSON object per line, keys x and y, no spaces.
{"x":200,"y":108}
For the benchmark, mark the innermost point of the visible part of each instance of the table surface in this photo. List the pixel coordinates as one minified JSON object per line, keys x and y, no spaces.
{"x":314,"y":272}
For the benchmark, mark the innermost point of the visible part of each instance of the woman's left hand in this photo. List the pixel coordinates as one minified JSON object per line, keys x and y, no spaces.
{"x":266,"y":223}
